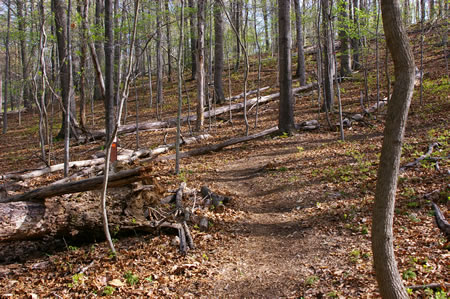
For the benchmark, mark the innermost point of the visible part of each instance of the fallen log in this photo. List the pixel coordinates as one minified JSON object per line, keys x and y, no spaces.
{"x":441,"y":223}
{"x":101,"y":160}
{"x":121,"y":178}
{"x":219,"y":146}
{"x":422,"y":157}
{"x":308,"y":125}
{"x":251,"y":92}
{"x":218,"y":111}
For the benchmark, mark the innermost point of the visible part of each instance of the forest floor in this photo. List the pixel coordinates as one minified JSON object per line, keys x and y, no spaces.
{"x":299,"y":224}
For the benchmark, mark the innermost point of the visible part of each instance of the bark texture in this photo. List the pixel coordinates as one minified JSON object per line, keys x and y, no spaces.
{"x":218,"y":52}
{"x":388,"y":278}
{"x":301,"y":73}
{"x":286,"y":110}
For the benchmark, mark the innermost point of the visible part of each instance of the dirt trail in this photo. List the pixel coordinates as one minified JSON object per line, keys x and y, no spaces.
{"x":274,"y":242}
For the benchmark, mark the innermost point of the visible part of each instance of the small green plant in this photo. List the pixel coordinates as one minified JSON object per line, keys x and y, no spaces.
{"x":300,"y":149}
{"x":413,"y":204}
{"x":72,"y":248}
{"x":409,"y":274}
{"x":77,"y":279}
{"x":311,"y":280}
{"x":149,"y":278}
{"x":364,"y":230}
{"x":332,"y":294}
{"x":204,"y":256}
{"x":108,"y":290}
{"x":131,"y":278}
{"x":282,"y":169}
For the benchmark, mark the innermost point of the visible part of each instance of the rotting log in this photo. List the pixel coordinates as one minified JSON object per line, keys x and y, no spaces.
{"x":118,"y":179}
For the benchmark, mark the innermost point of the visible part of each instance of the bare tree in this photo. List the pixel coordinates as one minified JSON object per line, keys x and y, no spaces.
{"x":218,"y":52}
{"x":328,"y":61}
{"x":301,"y":73}
{"x":201,"y":77}
{"x":266,"y":24}
{"x":180,"y":93}
{"x":388,"y":278}
{"x":193,"y":28}
{"x":109,"y":70}
{"x":5,"y":106}
{"x":159,"y":58}
{"x":346,"y":68}
{"x":286,"y":108}
{"x":169,"y":47}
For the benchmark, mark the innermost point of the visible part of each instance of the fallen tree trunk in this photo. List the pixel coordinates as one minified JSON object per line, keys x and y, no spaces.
{"x":219,"y":146}
{"x":307,"y":125}
{"x":251,"y":92}
{"x":115,"y":180}
{"x":218,"y":111}
{"x":100,"y":161}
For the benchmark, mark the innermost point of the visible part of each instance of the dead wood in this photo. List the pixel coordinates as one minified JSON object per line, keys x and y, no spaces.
{"x":214,"y":200}
{"x":215,"y":112}
{"x":432,"y":286}
{"x":121,"y":178}
{"x":249,"y":93}
{"x":422,"y":157}
{"x":217,"y":147}
{"x":441,"y":223}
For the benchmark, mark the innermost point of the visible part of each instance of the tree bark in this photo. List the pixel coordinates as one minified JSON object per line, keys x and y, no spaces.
{"x":169,"y":47}
{"x":286,"y":107}
{"x":328,"y":61}
{"x":346,"y":68}
{"x":5,"y":107}
{"x":218,"y":52}
{"x":301,"y":73}
{"x":388,"y":278}
{"x":201,"y":78}
{"x":193,"y":28}
{"x":99,"y":50}
{"x":63,"y":54}
{"x":83,"y":10}
{"x":159,"y":58}
{"x":109,"y":70}
{"x":23,"y":55}
{"x":266,"y":24}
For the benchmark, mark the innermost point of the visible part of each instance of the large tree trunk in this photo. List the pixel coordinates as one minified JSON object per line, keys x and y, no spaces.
{"x":60,"y":9}
{"x":169,"y":47}
{"x":193,"y":28}
{"x":218,"y":52}
{"x":237,"y":24}
{"x":356,"y":41}
{"x":328,"y":61}
{"x":266,"y":24}
{"x":346,"y":67}
{"x":286,"y":107}
{"x":201,"y":78}
{"x":23,"y":55}
{"x":83,"y":10}
{"x":301,"y":74}
{"x":159,"y":58}
{"x":388,"y":277}
{"x":109,"y":70}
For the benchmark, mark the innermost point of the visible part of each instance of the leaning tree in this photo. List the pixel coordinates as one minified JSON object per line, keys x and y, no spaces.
{"x":388,"y":278}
